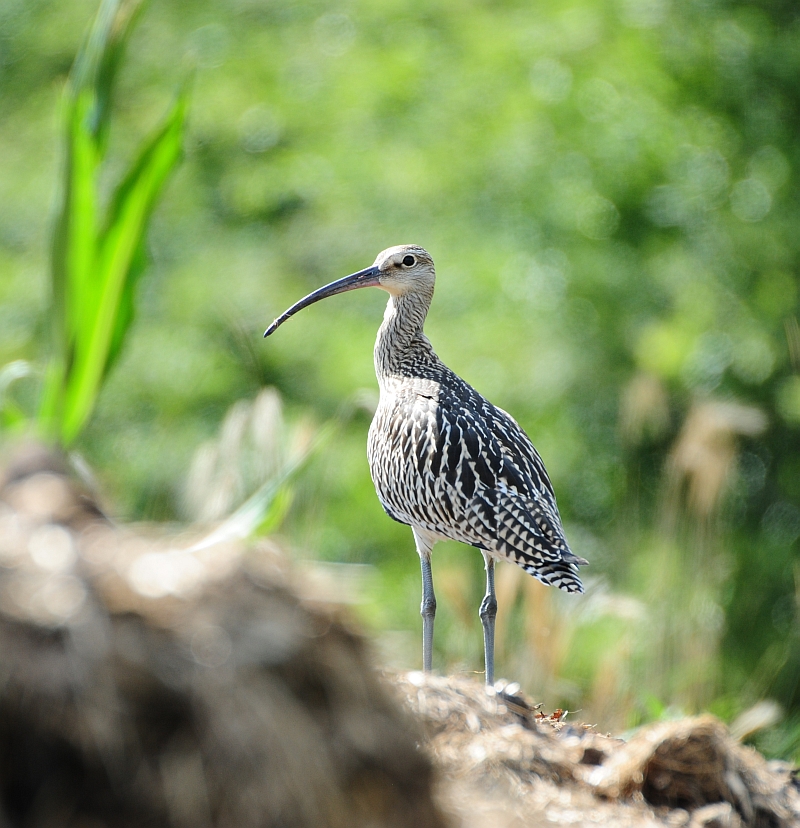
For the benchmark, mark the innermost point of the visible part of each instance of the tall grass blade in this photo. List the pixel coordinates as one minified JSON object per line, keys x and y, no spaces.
{"x":11,"y":415}
{"x":96,"y":263}
{"x":254,"y":513}
{"x":119,"y":264}
{"x":74,"y":244}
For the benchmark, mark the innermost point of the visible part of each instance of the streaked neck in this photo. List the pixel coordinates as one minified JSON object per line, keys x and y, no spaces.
{"x":400,"y":339}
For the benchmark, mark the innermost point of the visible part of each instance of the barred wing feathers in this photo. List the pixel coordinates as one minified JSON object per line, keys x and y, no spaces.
{"x":461,"y":468}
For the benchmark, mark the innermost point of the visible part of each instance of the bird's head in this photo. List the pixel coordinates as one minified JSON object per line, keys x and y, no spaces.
{"x":406,"y":268}
{"x":399,"y":270}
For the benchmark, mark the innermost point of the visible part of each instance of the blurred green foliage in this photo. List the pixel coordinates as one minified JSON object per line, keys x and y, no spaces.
{"x":610,"y":192}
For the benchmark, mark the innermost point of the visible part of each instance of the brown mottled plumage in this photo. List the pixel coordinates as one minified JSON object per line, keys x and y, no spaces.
{"x":444,"y":460}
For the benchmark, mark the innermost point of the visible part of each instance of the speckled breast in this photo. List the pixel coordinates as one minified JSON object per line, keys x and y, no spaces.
{"x":402,"y":435}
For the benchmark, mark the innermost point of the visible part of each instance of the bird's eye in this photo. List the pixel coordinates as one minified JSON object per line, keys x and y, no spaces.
{"x":409,"y":261}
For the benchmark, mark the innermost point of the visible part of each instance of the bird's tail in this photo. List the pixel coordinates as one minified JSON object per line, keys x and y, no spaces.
{"x":562,"y":574}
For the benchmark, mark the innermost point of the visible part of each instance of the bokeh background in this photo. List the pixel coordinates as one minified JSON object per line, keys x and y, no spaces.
{"x":609,"y":190}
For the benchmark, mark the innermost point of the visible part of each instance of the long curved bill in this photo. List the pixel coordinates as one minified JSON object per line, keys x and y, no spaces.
{"x":364,"y":278}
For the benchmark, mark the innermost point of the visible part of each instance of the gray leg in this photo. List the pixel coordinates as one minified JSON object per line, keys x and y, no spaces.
{"x":427,"y":611}
{"x":488,"y":612}
{"x":428,"y":608}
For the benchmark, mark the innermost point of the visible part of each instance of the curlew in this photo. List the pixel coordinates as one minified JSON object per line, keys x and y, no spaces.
{"x":443,"y":459}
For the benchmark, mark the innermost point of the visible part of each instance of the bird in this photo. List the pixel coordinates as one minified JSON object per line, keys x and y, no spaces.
{"x":443,"y":459}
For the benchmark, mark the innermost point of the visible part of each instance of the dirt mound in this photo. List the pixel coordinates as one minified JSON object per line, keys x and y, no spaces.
{"x":503,"y":763}
{"x":144,"y":684}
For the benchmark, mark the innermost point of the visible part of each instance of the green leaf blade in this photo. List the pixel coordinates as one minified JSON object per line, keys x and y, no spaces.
{"x":118,"y":267}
